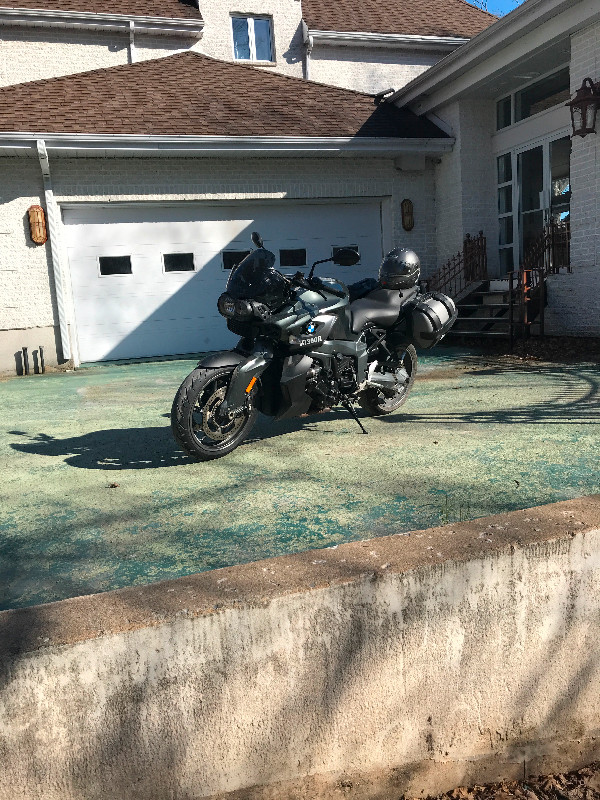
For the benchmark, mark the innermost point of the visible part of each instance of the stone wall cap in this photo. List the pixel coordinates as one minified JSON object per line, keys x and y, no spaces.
{"x":259,"y":583}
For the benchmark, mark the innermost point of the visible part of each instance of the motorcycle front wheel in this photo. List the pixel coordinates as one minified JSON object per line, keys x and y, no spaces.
{"x":376,"y":403}
{"x":196,"y":423}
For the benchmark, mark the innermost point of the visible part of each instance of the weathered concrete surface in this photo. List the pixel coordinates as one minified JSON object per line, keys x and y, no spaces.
{"x":403,"y":663}
{"x":478,"y":436}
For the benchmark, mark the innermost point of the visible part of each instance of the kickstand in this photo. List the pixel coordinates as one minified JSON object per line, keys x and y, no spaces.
{"x":350,"y":409}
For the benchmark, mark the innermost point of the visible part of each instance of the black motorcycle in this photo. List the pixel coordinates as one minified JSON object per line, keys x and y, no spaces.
{"x":308,"y":344}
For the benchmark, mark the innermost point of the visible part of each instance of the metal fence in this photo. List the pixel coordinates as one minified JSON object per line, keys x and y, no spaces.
{"x":467,"y":266}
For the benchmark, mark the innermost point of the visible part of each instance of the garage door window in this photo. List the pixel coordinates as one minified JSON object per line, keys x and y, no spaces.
{"x":115,"y":265}
{"x":178,"y":262}
{"x":231,"y":258}
{"x":292,"y":258}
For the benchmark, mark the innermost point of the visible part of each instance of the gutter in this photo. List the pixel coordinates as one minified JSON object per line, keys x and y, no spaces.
{"x":124,"y":145}
{"x":493,"y":40}
{"x":389,"y":40}
{"x":101,"y":22}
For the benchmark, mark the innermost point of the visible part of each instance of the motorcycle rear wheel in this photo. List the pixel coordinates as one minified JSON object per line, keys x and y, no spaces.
{"x":195,"y":421}
{"x":376,"y":404}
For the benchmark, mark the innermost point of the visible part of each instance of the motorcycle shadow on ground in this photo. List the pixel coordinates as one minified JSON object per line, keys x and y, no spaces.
{"x":149,"y":447}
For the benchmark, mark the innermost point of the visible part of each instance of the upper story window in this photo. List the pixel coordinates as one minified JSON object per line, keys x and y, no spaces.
{"x":252,"y":38}
{"x":544,"y":93}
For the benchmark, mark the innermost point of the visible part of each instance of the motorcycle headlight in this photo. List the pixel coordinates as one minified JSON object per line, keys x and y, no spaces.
{"x":243,"y":308}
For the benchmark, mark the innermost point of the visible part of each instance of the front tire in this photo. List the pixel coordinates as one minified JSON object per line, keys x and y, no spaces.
{"x":376,"y":404}
{"x":197,"y":427}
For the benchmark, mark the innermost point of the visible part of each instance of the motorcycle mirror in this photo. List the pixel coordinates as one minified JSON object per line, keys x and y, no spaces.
{"x":256,"y":239}
{"x":346,"y":257}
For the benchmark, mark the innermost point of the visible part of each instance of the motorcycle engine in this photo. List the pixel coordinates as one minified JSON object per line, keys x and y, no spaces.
{"x":346,"y":374}
{"x":325,"y":386}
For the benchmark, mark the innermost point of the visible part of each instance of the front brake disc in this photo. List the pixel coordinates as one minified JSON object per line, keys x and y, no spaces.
{"x":211,"y":426}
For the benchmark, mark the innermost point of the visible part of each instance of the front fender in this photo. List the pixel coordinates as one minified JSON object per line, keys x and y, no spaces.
{"x":250,"y":366}
{"x":225,"y":358}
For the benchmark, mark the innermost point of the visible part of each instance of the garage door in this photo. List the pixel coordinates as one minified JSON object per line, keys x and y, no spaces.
{"x":146,"y":279}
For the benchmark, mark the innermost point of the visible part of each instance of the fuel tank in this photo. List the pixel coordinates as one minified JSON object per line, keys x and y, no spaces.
{"x":308,"y":304}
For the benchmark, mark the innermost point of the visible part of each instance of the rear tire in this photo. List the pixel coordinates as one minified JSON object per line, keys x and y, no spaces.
{"x":376,"y":404}
{"x":195,"y":423}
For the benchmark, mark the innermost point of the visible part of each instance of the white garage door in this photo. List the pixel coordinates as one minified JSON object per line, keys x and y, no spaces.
{"x":146,"y":278}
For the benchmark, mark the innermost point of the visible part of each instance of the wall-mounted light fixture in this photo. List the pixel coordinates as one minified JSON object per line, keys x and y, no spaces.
{"x":408,"y":216}
{"x":584,"y":108}
{"x":37,"y":225}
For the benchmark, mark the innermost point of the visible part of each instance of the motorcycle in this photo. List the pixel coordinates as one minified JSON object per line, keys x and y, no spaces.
{"x":307,"y":344}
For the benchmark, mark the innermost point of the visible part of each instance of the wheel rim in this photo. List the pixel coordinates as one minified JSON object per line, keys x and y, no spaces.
{"x":403,"y":376}
{"x":208,"y":428}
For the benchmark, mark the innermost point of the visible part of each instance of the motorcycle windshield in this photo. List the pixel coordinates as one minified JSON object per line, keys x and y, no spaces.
{"x":255,"y":279}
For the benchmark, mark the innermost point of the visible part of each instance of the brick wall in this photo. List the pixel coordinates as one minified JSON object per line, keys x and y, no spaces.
{"x":369,"y":69}
{"x":287,"y":32}
{"x":466,"y":180}
{"x":585,"y":158}
{"x":574,"y":300}
{"x":29,"y":54}
{"x":26,"y":285}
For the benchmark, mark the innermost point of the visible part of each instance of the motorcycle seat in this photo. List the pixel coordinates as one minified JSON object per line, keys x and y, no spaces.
{"x":380,"y":307}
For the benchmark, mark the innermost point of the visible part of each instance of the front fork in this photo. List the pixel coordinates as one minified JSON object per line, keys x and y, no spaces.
{"x":243,"y":379}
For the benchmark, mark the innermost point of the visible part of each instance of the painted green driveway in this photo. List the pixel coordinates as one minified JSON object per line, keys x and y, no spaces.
{"x":477,"y":436}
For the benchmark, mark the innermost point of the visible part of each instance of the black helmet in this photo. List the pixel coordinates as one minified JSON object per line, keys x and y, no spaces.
{"x":400,"y":269}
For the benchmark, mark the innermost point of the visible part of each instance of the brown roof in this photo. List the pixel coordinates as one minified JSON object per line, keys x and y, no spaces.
{"x":191,"y":94}
{"x":175,"y":9}
{"x":413,"y":17}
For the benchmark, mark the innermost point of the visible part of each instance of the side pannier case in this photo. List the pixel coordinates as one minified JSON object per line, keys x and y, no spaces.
{"x":431,"y":317}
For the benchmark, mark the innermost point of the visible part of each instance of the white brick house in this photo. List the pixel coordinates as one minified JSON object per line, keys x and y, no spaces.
{"x":356,"y":44}
{"x":184,"y":157}
{"x":515,"y":163}
{"x":172,"y":170}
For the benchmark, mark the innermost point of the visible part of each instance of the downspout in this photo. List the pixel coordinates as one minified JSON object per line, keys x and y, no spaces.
{"x":308,"y":43}
{"x":53,"y":224}
{"x":131,"y":41}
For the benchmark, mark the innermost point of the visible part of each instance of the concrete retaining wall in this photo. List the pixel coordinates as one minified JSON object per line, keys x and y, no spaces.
{"x":406,"y":663}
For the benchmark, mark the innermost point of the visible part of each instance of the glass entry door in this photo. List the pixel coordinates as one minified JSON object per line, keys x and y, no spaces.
{"x":540,"y":193}
{"x":544,"y":189}
{"x":533,"y":208}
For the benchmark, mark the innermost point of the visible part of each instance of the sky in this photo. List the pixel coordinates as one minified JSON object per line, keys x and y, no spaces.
{"x":501,"y":7}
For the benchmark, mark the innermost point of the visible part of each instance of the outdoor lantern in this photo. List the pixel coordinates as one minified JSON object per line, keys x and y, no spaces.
{"x":584,"y":108}
{"x":37,"y":225}
{"x":408,"y":217}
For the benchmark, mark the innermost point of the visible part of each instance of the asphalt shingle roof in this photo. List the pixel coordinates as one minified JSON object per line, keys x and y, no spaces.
{"x":413,"y":17}
{"x":191,"y":94}
{"x":175,"y":9}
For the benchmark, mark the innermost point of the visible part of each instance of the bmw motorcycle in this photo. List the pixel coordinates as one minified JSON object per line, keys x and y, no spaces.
{"x":308,"y":344}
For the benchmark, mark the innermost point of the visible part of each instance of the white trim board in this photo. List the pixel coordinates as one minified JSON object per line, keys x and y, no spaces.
{"x":391,"y":40}
{"x":112,"y":22}
{"x":126,"y":145}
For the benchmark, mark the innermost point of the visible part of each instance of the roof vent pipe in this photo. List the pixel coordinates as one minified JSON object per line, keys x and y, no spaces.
{"x":381,"y":96}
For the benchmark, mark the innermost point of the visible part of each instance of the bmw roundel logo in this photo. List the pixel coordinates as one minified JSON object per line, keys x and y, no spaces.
{"x":311,"y":327}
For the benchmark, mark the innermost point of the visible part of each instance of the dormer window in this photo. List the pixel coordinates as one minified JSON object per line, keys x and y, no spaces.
{"x":252,"y":38}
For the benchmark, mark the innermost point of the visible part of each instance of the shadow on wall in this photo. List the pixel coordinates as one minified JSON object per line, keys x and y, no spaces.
{"x":185,"y":322}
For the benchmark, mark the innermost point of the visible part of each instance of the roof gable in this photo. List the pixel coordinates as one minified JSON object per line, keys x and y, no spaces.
{"x":409,"y":17}
{"x":189,"y":94}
